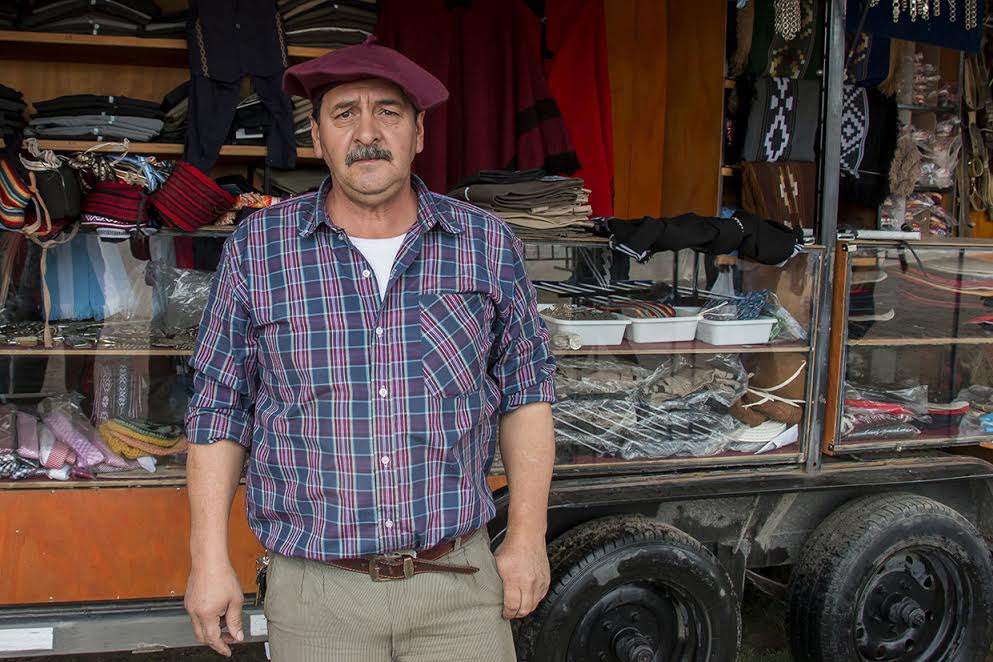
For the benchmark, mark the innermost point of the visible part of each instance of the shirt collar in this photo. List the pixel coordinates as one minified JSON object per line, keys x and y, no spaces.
{"x":429,"y":213}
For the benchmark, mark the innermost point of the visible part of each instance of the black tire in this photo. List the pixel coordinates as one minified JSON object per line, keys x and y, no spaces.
{"x":896,"y":577}
{"x":618,"y":577}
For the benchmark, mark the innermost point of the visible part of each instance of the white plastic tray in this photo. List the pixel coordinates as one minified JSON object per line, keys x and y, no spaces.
{"x":735,"y":332}
{"x":590,"y":332}
{"x":661,"y":329}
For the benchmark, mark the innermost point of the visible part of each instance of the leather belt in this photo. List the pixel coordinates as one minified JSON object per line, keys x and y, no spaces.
{"x":404,"y":564}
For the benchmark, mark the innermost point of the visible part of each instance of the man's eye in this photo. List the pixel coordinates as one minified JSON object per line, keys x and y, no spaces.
{"x":390,"y":113}
{"x":344,"y":115}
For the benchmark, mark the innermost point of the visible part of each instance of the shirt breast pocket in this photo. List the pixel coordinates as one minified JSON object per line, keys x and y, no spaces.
{"x":455,"y":341}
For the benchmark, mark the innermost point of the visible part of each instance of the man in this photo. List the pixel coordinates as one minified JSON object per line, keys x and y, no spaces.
{"x":364,"y":344}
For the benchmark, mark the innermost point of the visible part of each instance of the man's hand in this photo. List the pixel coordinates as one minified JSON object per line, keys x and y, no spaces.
{"x":523,"y":566}
{"x":213,"y":592}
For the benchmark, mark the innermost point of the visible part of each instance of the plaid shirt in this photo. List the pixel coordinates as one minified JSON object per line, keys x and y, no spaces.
{"x":371,"y":423}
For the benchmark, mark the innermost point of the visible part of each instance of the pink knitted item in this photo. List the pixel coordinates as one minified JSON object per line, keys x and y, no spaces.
{"x":87,"y":455}
{"x":27,"y":436}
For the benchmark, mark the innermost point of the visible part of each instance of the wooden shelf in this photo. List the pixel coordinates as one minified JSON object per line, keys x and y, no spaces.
{"x":951,"y":110}
{"x":922,"y":441}
{"x":729,"y":84}
{"x":14,"y":350}
{"x":728,"y":171}
{"x":913,"y":342}
{"x":16,"y":43}
{"x":163,"y":149}
{"x":688,"y":347}
{"x":609,"y":465}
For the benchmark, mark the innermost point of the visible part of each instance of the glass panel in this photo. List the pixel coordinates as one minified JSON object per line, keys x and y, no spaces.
{"x":920,"y":293}
{"x":663,"y":392}
{"x":123,"y":326}
{"x":679,"y":406}
{"x":918,"y":395}
{"x":113,"y":374}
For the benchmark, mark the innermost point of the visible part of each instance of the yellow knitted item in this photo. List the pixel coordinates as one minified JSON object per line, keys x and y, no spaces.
{"x":133,"y":447}
{"x":125,"y":431}
{"x":120,"y":447}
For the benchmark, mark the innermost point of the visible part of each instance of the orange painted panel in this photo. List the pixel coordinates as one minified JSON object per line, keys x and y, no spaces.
{"x":82,"y":545}
{"x":88,"y":545}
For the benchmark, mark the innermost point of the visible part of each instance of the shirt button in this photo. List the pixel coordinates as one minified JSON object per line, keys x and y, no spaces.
{"x":366,"y":273}
{"x":385,"y":460}
{"x":379,"y":331}
{"x":388,"y":524}
{"x":237,"y":26}
{"x":383,"y":392}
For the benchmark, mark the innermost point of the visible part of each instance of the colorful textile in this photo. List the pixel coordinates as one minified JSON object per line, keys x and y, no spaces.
{"x":772,"y":54}
{"x":75,"y":280}
{"x":782,"y":123}
{"x":190,"y":199}
{"x":950,"y":29}
{"x":578,"y":77}
{"x":14,"y":197}
{"x":784,"y":192}
{"x":868,"y":143}
{"x":27,"y":436}
{"x":133,"y":447}
{"x":88,"y":454}
{"x":371,"y":423}
{"x":118,"y":201}
{"x":501,"y":113}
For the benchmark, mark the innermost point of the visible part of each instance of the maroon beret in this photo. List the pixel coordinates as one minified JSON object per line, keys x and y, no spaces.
{"x":311,"y":79}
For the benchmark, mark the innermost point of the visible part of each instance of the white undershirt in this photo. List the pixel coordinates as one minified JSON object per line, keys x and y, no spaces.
{"x":380,"y":254}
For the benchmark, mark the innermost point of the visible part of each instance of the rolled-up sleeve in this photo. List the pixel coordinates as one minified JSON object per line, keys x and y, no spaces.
{"x":225,"y":360}
{"x":523,"y":366}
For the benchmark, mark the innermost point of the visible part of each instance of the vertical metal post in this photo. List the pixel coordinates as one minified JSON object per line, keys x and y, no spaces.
{"x":832,"y":86}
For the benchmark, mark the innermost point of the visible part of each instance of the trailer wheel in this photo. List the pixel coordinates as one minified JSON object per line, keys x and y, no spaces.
{"x":631,"y":589}
{"x":892,"y":577}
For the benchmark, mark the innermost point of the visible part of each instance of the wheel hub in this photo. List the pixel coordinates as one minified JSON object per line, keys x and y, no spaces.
{"x":909,"y":609}
{"x":638,"y":623}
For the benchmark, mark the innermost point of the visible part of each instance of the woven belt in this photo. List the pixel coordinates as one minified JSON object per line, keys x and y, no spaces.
{"x":404,"y":564}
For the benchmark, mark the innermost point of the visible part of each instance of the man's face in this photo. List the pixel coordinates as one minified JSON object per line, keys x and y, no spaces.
{"x":368,"y":135}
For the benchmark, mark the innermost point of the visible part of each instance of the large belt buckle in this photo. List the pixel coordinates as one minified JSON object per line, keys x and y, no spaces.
{"x":407,"y":555}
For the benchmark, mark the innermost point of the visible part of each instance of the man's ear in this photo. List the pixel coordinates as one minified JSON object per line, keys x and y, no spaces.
{"x":420,"y":132}
{"x":315,"y":137}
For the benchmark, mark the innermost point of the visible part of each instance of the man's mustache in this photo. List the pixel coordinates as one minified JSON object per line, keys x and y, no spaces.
{"x":368,"y":153}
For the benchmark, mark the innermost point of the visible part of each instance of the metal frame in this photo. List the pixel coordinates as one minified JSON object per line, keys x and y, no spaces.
{"x":831,"y":107}
{"x":842,"y":448}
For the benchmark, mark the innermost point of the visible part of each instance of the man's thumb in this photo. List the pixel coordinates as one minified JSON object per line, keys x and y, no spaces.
{"x":233,"y":620}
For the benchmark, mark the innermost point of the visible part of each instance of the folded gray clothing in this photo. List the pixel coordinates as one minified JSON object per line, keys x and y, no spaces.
{"x":93,"y":133}
{"x":299,"y":180}
{"x":133,"y":123}
{"x":342,"y":33}
{"x":344,"y":17}
{"x":9,"y":106}
{"x":131,"y":11}
{"x":92,"y":23}
{"x":325,"y":40}
{"x":330,"y":13}
{"x":178,"y":114}
{"x":286,"y":6}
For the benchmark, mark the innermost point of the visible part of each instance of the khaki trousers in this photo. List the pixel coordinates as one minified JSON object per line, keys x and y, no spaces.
{"x":319,"y":613}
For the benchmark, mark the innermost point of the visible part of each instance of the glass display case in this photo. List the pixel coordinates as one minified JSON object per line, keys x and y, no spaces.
{"x":687,"y":359}
{"x":717,"y":374}
{"x":911,"y":361}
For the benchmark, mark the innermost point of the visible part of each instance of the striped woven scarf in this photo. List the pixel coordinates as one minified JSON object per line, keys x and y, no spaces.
{"x":14,"y":197}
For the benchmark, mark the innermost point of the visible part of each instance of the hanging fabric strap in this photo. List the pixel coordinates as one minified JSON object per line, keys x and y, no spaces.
{"x":45,"y":293}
